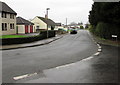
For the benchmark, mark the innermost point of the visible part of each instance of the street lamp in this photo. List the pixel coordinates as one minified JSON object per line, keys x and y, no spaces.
{"x":47,"y":19}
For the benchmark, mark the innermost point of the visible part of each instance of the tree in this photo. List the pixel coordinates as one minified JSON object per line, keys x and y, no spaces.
{"x":105,"y":15}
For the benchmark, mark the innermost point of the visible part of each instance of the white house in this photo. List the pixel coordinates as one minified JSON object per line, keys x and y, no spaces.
{"x":41,"y":23}
{"x":24,"y":26}
{"x":7,"y":20}
{"x":58,"y":26}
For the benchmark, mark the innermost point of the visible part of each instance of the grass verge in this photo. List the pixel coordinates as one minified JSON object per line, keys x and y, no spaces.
{"x":105,"y":41}
{"x":12,"y":36}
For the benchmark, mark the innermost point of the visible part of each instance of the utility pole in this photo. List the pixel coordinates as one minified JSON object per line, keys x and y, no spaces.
{"x":47,"y":20}
{"x":66,"y":22}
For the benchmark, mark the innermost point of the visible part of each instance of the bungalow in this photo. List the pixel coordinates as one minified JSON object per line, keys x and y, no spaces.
{"x":41,"y":23}
{"x":24,"y":26}
{"x":7,"y":20}
{"x":58,"y":25}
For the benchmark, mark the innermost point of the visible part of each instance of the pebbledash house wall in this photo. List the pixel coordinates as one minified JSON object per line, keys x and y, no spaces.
{"x":8,"y":21}
{"x":21,"y":29}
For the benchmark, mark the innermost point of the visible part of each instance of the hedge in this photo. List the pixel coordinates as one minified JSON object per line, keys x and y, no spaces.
{"x":43,"y":35}
{"x":105,"y":30}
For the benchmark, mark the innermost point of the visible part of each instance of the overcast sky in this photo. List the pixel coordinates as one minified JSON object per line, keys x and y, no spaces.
{"x":74,"y":10}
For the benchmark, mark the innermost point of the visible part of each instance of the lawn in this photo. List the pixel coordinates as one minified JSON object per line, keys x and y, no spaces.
{"x":13,"y":36}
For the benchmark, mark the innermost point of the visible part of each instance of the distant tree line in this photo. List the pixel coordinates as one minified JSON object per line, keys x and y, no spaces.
{"x":105,"y":19}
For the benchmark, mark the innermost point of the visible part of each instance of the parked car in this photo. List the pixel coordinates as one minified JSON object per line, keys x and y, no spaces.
{"x":73,"y":32}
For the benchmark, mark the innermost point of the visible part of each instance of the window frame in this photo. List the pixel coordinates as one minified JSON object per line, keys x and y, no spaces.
{"x":4,"y":26}
{"x":12,"y":16}
{"x":4,"y":15}
{"x":12,"y":26}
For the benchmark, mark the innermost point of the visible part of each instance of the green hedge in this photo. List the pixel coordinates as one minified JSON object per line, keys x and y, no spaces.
{"x":81,"y":27}
{"x":105,"y":30}
{"x":43,"y":35}
{"x":51,"y":33}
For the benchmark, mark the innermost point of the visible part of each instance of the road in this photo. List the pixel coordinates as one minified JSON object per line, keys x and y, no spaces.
{"x":69,"y":49}
{"x":95,"y":70}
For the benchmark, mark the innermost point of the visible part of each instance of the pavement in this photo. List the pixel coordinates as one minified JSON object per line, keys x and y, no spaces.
{"x":33,"y":44}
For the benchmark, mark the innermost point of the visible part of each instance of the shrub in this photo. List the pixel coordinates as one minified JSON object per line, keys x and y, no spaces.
{"x":101,"y":29}
{"x":92,"y":29}
{"x":105,"y":30}
{"x":51,"y":33}
{"x":43,"y":35}
{"x":81,"y":27}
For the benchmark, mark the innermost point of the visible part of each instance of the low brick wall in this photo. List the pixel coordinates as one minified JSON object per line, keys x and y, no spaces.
{"x":10,"y":41}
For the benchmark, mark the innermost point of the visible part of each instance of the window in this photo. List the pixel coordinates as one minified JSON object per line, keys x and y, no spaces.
{"x":11,"y":16}
{"x":4,"y":15}
{"x":49,"y":26}
{"x":12,"y":26}
{"x":4,"y":26}
{"x":37,"y":27}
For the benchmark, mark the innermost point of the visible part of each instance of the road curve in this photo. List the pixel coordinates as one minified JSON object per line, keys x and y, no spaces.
{"x":69,"y":49}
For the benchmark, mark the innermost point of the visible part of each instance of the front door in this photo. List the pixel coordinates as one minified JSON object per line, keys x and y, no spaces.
{"x":26,"y":29}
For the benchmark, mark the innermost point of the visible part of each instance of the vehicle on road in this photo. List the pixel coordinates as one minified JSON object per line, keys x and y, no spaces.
{"x":73,"y":31}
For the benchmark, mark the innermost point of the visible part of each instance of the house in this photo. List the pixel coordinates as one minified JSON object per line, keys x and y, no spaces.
{"x":24,"y":26}
{"x":41,"y":23}
{"x":7,"y":20}
{"x":58,"y":26}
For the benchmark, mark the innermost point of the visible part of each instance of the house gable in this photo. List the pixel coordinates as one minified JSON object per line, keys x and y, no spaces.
{"x":49,"y":22}
{"x":38,"y":22}
{"x":5,"y":8}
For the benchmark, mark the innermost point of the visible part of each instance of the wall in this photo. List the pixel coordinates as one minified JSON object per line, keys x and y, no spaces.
{"x":21,"y":29}
{"x":40,"y":23}
{"x":8,"y":21}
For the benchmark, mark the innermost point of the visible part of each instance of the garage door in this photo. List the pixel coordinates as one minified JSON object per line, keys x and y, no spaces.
{"x":26,"y":29}
{"x":31,"y":29}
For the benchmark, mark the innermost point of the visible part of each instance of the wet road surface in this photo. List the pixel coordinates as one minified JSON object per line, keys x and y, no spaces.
{"x":69,"y":49}
{"x":97,"y":69}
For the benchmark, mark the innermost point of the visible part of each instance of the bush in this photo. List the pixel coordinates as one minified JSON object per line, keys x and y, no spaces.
{"x":43,"y":35}
{"x":51,"y":33}
{"x":105,"y":30}
{"x":10,"y":41}
{"x":81,"y":27}
{"x":92,"y":29}
{"x":101,"y":29}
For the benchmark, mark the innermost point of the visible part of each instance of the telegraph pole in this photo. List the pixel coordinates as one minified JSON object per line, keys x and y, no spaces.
{"x":47,"y":20}
{"x":66,"y":22}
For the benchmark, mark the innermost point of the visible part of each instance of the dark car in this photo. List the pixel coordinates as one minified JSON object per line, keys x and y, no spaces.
{"x":73,"y":32}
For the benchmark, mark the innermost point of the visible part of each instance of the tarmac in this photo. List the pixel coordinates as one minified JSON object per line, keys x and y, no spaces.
{"x":33,"y":44}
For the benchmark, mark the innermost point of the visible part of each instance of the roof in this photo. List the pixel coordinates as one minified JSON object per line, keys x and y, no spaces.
{"x":58,"y":24}
{"x":48,"y":21}
{"x":22,"y":21}
{"x":6,"y":8}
